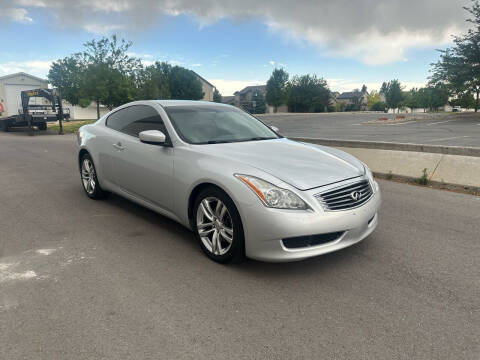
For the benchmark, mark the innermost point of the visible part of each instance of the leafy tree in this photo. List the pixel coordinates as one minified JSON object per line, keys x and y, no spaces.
{"x":465,"y":100}
{"x":378,"y":106}
{"x":67,"y":75}
{"x":373,"y":98}
{"x":152,"y":82}
{"x":110,"y":72}
{"x":217,"y":97}
{"x":393,"y":93}
{"x":432,"y":97}
{"x":308,"y":93}
{"x":277,"y":89}
{"x":184,"y":84}
{"x":164,"y":81}
{"x":411,"y":99}
{"x":103,"y":72}
{"x":458,"y":67}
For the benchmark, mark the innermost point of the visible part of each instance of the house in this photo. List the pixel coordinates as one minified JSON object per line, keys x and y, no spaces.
{"x":207,"y":88}
{"x":354,"y":99}
{"x":243,"y":98}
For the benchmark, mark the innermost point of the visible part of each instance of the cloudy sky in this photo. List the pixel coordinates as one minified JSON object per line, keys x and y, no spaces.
{"x":238,"y":43}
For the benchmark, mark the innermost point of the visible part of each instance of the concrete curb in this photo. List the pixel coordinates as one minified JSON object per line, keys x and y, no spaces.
{"x":433,"y":149}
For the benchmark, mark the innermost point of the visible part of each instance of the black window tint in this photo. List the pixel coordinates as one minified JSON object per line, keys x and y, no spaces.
{"x":118,"y":119}
{"x":135,"y":119}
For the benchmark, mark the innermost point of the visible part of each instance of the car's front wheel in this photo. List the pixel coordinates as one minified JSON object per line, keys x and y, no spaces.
{"x":89,"y":178}
{"x":218,"y":227}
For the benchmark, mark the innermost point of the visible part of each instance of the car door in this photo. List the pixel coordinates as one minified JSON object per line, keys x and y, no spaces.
{"x":144,"y":170}
{"x":106,"y":144}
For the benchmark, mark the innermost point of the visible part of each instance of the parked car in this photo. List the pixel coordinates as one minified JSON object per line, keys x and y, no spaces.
{"x":241,"y":187}
{"x":457,"y":109}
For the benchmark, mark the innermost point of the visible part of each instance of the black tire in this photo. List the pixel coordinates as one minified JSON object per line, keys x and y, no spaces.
{"x":236,"y":252}
{"x":97,"y":192}
{"x":42,"y":126}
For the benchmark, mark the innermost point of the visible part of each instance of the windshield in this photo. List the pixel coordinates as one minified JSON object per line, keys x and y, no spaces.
{"x":210,"y":124}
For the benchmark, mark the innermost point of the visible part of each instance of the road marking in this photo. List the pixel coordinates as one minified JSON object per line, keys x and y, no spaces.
{"x":439,"y":122}
{"x":449,"y":138}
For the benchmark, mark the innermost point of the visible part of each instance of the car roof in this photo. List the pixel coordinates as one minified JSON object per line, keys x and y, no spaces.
{"x":187,"y":103}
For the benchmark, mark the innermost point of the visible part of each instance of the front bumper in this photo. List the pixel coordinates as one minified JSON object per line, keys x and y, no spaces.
{"x":265,"y":228}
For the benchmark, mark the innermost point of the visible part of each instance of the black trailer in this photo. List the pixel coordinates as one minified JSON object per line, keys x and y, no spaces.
{"x":37,"y":115}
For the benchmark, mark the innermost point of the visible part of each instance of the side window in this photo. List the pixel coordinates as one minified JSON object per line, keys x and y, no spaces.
{"x":118,"y":119}
{"x":135,"y":119}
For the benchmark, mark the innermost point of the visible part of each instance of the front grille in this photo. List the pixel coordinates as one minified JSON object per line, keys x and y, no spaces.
{"x":346,"y":197}
{"x":311,"y":240}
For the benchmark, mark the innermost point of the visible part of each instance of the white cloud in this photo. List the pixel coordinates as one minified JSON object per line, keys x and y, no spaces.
{"x":103,"y":29}
{"x":228,"y":87}
{"x":16,"y":14}
{"x":36,"y":67}
{"x":374,"y":31}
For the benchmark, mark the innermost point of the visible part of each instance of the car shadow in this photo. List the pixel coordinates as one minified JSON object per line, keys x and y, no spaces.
{"x":178,"y":235}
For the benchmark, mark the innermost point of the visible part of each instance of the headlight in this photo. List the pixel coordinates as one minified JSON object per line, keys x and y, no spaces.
{"x":273,"y":196}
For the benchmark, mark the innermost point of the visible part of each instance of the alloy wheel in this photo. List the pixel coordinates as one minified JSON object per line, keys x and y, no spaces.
{"x":214,"y":226}
{"x":88,"y":176}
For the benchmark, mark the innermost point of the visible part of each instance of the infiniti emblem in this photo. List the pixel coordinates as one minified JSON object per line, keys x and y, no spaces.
{"x":356,"y":195}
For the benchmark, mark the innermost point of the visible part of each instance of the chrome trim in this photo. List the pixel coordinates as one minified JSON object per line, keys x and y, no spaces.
{"x":340,"y":196}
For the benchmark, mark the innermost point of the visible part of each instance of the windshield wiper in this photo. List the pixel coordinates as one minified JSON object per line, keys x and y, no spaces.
{"x":259,"y":138}
{"x":217,"y":142}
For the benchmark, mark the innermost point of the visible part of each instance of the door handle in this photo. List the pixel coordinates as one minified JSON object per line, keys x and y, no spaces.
{"x":118,"y":146}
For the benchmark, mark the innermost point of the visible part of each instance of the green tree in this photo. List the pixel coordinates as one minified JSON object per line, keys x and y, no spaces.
{"x":164,"y":81}
{"x":276,"y":90}
{"x":308,"y":93}
{"x":104,"y":73}
{"x":379,"y":106}
{"x":464,"y":100}
{"x":393,"y":94}
{"x":458,"y":67}
{"x":217,"y":97}
{"x":184,"y":84}
{"x":411,"y":99}
{"x":152,"y":82}
{"x":373,"y":98}
{"x":67,"y":74}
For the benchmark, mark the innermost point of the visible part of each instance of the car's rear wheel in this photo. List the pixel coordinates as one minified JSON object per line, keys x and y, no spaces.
{"x":89,"y":178}
{"x":218,"y":226}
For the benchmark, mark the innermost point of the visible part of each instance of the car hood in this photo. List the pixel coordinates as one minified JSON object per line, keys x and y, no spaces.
{"x":302,"y":165}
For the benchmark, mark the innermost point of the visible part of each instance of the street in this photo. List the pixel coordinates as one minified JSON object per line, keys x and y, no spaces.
{"x":432,"y":129}
{"x":84,"y":279}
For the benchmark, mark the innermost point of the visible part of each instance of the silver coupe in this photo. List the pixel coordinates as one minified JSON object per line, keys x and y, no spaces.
{"x":241,"y":187}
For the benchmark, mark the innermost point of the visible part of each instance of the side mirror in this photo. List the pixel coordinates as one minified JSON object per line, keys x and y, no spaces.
{"x":153,"y":137}
{"x":274,"y":128}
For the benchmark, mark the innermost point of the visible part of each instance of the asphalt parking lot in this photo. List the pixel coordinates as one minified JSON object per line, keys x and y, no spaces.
{"x":84,"y":279}
{"x":433,"y":129}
